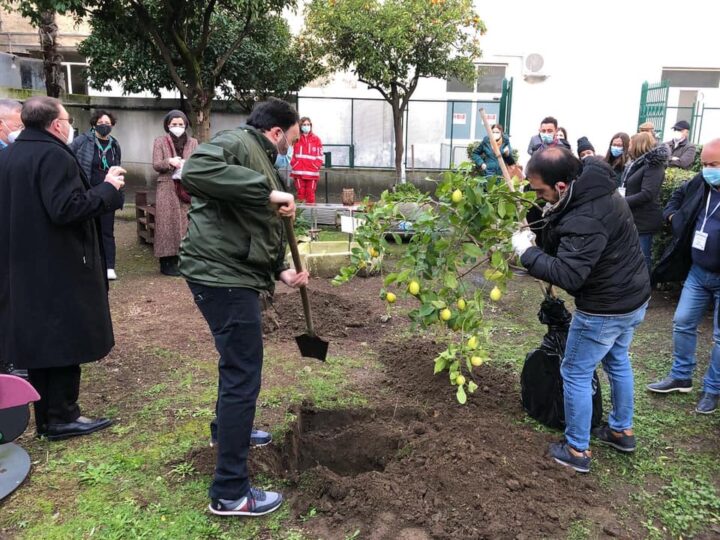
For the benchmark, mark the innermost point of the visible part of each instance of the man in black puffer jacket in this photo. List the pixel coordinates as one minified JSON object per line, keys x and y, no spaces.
{"x":591,"y":249}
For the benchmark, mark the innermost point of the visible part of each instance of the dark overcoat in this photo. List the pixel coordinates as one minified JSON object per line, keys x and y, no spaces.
{"x":53,"y":288}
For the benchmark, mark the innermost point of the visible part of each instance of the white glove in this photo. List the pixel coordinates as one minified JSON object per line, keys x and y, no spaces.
{"x":522,"y":240}
{"x":483,"y":167}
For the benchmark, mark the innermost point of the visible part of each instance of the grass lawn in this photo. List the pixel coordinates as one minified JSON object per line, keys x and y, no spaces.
{"x":148,"y":475}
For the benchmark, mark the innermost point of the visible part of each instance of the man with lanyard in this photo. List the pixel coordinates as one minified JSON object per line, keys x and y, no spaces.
{"x":10,"y":123}
{"x":694,"y":256}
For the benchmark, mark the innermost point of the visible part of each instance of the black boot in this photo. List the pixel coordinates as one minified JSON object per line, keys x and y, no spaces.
{"x":169,"y":266}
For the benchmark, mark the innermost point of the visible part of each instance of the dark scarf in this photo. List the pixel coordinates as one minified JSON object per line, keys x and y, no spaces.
{"x":178,"y":143}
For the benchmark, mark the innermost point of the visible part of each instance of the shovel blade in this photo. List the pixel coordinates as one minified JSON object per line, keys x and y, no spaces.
{"x":312,"y":346}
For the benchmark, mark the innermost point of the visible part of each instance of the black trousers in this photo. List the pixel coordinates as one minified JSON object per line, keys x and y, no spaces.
{"x":59,"y":389}
{"x":107,"y":227}
{"x":235,"y":320}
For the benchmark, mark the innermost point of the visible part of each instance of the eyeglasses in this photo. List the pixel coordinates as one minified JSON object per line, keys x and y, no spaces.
{"x":69,"y":120}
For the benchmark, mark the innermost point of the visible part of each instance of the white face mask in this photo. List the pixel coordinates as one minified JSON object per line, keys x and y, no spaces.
{"x":177,"y":131}
{"x":14,"y":135}
{"x":70,"y":135}
{"x":678,"y":136}
{"x":497,"y":135}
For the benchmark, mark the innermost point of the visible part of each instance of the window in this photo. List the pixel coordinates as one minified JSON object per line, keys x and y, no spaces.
{"x":692,"y":78}
{"x":489,"y":80}
{"x":78,"y":79}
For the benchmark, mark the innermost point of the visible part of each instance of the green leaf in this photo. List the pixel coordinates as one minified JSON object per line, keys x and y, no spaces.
{"x":472,"y":387}
{"x":461,"y":395}
{"x":438,"y":304}
{"x":426,"y":310}
{"x":497,"y":259}
{"x":390,"y":278}
{"x":450,"y":281}
{"x":402,"y":276}
{"x":501,"y":210}
{"x":472,"y":250}
{"x":440,"y":364}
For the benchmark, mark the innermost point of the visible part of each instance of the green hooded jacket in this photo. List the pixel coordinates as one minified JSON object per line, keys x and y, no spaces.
{"x":235,"y":236}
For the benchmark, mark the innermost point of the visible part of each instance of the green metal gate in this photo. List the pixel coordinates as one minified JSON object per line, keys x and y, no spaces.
{"x":653,"y":104}
{"x":506,"y":105}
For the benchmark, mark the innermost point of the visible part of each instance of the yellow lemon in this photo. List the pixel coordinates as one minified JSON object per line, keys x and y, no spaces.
{"x":461,"y":304}
{"x":445,"y":314}
{"x":460,"y":380}
{"x":457,"y":196}
{"x":414,"y":288}
{"x":390,"y":297}
{"x":495,"y":294}
{"x":477,"y":361}
{"x":374,"y":252}
{"x":472,"y":343}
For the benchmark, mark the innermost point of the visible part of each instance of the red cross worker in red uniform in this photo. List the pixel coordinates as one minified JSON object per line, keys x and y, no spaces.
{"x":306,"y":161}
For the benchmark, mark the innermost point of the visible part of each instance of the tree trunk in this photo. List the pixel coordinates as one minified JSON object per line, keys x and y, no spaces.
{"x":399,"y":139}
{"x":48,"y":30}
{"x":200,"y":113}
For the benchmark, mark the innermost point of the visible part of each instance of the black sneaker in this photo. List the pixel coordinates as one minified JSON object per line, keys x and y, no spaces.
{"x":256,"y":503}
{"x":708,"y":403}
{"x":668,"y":384}
{"x":619,"y":441}
{"x":257,"y":438}
{"x":561,"y":453}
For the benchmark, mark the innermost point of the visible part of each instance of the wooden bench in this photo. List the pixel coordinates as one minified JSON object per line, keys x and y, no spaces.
{"x":145,"y":217}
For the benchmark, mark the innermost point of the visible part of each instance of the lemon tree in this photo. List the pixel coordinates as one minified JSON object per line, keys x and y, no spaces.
{"x":465,"y":227}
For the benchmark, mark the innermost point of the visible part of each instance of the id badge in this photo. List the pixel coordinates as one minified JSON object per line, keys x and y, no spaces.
{"x":700,"y":240}
{"x":621,"y":190}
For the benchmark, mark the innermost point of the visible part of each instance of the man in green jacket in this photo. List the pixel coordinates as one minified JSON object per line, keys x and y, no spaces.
{"x":234,"y":250}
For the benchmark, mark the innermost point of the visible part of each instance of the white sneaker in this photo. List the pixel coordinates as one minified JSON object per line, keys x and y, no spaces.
{"x":111,"y":275}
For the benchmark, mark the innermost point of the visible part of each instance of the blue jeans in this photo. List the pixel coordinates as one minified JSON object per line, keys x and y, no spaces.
{"x":593,"y":339}
{"x":646,"y":247}
{"x":700,"y":287}
{"x":234,"y":318}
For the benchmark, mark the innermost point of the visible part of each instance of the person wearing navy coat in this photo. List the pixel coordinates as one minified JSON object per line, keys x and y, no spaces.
{"x":54,"y":311}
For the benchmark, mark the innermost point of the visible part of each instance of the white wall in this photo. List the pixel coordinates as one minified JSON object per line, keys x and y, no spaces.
{"x":597,"y":55}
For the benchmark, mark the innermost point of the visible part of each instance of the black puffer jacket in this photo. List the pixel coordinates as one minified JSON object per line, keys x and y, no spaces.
{"x":591,"y":246}
{"x":642,"y":183}
{"x":684,"y":207}
{"x":84,"y":149}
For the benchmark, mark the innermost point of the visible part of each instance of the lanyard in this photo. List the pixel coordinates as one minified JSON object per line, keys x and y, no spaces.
{"x":707,"y":207}
{"x":103,"y":152}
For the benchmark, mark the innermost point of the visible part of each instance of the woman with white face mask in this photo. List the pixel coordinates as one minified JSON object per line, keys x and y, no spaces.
{"x":484,"y":157}
{"x":172,"y":202}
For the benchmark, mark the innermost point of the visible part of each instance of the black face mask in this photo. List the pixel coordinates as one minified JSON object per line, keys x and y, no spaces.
{"x":103,"y":130}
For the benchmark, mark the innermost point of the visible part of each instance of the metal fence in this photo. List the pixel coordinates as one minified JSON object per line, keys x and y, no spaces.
{"x":359,"y":131}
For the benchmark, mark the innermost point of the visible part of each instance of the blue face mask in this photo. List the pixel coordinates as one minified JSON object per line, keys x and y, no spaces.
{"x":712,"y":175}
{"x":616,"y":151}
{"x":547,"y":138}
{"x":306,"y":129}
{"x":282,"y":161}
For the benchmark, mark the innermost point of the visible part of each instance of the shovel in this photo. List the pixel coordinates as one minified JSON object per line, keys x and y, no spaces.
{"x":309,"y":343}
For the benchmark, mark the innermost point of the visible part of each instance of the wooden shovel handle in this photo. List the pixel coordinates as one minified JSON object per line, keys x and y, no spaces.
{"x":547,"y":287}
{"x":292,"y":241}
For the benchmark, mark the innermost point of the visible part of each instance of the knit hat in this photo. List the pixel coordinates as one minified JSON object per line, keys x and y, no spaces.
{"x":174,"y":114}
{"x":584,"y":144}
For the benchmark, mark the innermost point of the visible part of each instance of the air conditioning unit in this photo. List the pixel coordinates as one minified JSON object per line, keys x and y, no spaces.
{"x":533,"y":69}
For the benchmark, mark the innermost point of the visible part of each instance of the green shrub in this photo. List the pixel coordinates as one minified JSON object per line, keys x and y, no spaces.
{"x":674,"y":178}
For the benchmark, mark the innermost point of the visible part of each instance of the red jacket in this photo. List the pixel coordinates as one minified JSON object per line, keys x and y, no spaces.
{"x":307,"y":157}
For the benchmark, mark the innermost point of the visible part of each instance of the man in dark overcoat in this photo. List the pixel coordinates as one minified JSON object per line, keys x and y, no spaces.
{"x":54,"y":308}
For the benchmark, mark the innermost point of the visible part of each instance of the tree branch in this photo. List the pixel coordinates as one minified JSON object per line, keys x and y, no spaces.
{"x":205,"y":35}
{"x":374,"y":86}
{"x":145,"y":22}
{"x":233,"y":47}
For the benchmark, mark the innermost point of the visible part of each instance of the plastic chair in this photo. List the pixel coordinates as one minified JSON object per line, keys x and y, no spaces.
{"x":15,"y":396}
